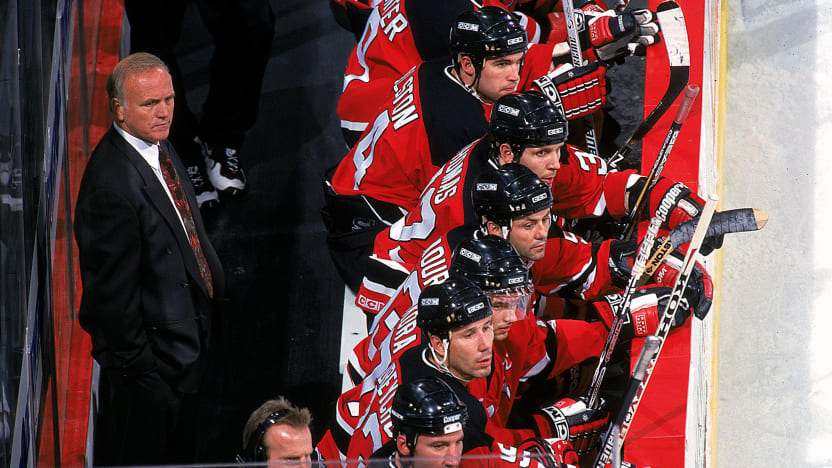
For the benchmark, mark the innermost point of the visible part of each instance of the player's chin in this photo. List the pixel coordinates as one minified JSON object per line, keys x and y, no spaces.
{"x":501,"y":333}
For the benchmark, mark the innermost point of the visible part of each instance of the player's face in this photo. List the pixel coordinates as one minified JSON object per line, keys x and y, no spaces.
{"x":146,"y":107}
{"x":506,"y":309}
{"x":544,"y":161}
{"x":499,"y":76}
{"x":469,"y":353}
{"x":288,"y":444}
{"x":442,"y":450}
{"x":529,"y":233}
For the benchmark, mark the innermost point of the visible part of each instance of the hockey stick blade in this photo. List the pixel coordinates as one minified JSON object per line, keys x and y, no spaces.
{"x":675,"y":38}
{"x":724,"y":222}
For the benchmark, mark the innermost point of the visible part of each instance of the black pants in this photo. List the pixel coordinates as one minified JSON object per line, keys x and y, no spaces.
{"x":352,"y":223}
{"x":142,"y":421}
{"x":242,"y":31}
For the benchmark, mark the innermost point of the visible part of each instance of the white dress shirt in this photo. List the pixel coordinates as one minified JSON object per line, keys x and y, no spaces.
{"x":150,"y":154}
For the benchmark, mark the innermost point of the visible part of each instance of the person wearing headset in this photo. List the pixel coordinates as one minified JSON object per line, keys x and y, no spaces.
{"x":278,"y":431}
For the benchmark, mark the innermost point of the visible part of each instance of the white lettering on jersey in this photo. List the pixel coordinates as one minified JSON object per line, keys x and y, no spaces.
{"x":392,"y":25}
{"x":404,"y":111}
{"x":434,"y":264}
{"x":450,"y":179}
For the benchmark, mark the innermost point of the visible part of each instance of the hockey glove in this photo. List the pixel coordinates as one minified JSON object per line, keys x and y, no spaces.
{"x":556,"y":452}
{"x":622,"y":254}
{"x":675,"y":203}
{"x":646,"y":305}
{"x":613,"y":35}
{"x":557,"y":21}
{"x":578,"y":91}
{"x":700,"y":289}
{"x":571,"y":420}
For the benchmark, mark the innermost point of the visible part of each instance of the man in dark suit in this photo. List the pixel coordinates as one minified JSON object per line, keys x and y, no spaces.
{"x":152,"y":281}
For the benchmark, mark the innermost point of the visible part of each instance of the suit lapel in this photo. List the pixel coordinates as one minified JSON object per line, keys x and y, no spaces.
{"x":159,"y":198}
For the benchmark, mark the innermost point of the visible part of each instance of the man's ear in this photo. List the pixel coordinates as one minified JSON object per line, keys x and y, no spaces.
{"x":467,"y":66}
{"x":117,"y":109}
{"x":506,"y":154}
{"x":493,"y":229}
{"x":401,"y":445}
{"x":437,"y":345}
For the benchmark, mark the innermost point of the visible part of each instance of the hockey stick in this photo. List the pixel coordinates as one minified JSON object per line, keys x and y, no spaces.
{"x":675,"y":35}
{"x":670,"y":311}
{"x":577,"y":61}
{"x":724,"y":222}
{"x":618,"y":322}
{"x":658,"y":165}
{"x":610,"y":446}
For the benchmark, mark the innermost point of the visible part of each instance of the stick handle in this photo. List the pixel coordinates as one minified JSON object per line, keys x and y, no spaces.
{"x":618,"y":322}
{"x":610,"y":442}
{"x":658,"y":165}
{"x":672,"y":305}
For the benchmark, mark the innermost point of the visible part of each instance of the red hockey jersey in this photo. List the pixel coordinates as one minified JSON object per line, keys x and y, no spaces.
{"x":399,"y":35}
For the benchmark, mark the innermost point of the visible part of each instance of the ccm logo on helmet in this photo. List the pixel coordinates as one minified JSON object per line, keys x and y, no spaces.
{"x":453,"y":427}
{"x":508,"y":110}
{"x":554,"y":131}
{"x":537,"y":198}
{"x":516,"y":280}
{"x":468,"y":26}
{"x":476,"y":307}
{"x":487,"y":187}
{"x":434,"y":301}
{"x":514,"y":40}
{"x":470,"y":255}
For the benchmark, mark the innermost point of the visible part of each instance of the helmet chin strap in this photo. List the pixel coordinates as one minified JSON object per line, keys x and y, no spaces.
{"x":442,"y":364}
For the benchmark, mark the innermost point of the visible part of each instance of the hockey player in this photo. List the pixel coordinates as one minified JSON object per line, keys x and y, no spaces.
{"x":428,"y":420}
{"x":401,"y":34}
{"x":434,"y":109}
{"x":527,"y":129}
{"x":455,"y":320}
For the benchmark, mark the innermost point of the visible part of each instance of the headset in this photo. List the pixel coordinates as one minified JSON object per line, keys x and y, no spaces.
{"x":254,"y":450}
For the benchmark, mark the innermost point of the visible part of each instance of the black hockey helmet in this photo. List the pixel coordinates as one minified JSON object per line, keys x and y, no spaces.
{"x":527,"y":119}
{"x":491,"y":263}
{"x":450,"y":305}
{"x":511,"y":191}
{"x":494,"y":265}
{"x":486,"y":33}
{"x":426,"y":406}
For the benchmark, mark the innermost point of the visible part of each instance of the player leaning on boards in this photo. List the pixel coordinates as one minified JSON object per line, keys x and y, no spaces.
{"x":433,"y":110}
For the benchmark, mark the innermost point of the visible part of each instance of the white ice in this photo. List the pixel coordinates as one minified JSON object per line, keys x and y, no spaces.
{"x":775,"y":314}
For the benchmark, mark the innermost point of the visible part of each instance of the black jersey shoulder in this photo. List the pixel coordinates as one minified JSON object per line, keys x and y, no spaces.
{"x":413,"y":367}
{"x":430,"y":23}
{"x":452,"y":117}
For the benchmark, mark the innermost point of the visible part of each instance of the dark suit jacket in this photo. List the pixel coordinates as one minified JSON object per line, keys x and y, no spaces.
{"x":144,"y":303}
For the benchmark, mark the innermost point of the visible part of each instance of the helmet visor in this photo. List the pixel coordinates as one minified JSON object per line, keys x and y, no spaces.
{"x":512,"y":301}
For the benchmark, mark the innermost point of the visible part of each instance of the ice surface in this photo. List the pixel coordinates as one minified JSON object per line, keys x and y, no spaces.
{"x":775,"y":326}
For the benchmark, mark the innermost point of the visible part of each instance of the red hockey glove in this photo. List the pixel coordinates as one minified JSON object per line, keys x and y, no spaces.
{"x":556,"y":452}
{"x":571,"y":420}
{"x":613,"y":35}
{"x":646,"y":305}
{"x":674,"y":203}
{"x":557,"y":22}
{"x":700,"y":290}
{"x":580,"y":91}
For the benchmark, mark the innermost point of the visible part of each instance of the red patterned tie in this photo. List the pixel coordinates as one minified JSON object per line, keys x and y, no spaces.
{"x":172,"y":179}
